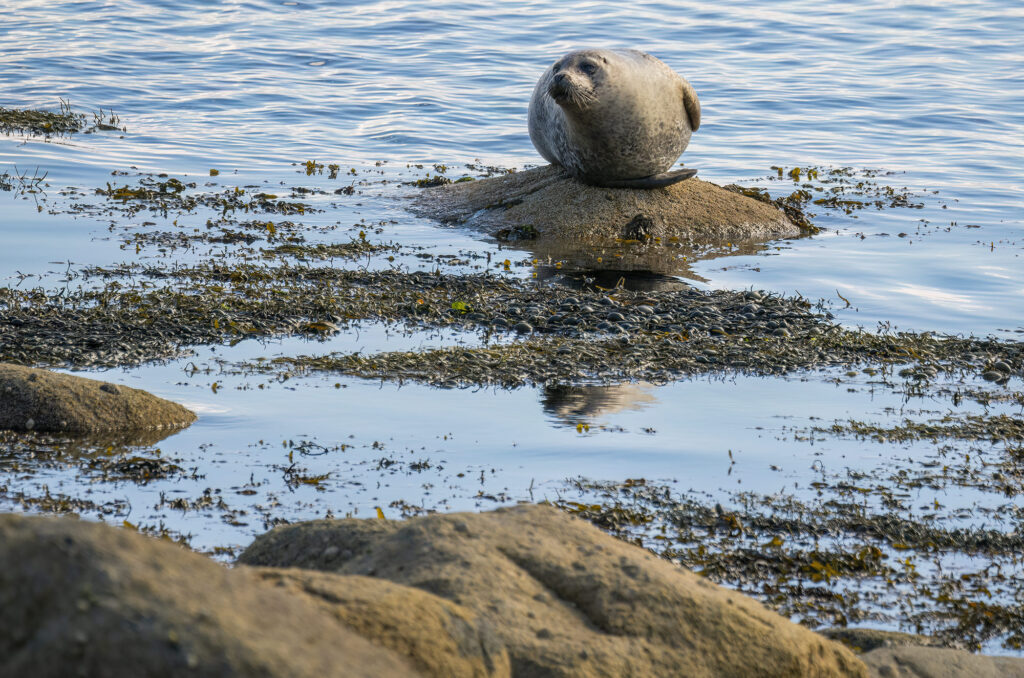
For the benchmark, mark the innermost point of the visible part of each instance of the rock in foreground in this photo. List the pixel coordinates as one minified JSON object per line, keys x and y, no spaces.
{"x":86,"y":599}
{"x":552,"y":214}
{"x":39,"y":400}
{"x":563,"y":597}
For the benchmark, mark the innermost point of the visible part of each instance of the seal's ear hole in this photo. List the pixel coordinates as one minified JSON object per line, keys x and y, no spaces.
{"x":604,"y":59}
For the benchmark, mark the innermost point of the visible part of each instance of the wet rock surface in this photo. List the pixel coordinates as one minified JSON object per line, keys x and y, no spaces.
{"x":552,"y":214}
{"x":37,"y":400}
{"x":565,"y":599}
{"x":80,"y":598}
{"x":561,"y":207}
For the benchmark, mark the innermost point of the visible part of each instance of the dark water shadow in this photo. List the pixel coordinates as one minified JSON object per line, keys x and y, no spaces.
{"x":645,"y":266}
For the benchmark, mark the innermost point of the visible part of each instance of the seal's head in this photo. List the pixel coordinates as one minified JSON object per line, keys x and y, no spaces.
{"x":614,"y":118}
{"x":576,"y":78}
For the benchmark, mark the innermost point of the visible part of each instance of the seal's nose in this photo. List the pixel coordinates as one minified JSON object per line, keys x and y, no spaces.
{"x":558,"y":87}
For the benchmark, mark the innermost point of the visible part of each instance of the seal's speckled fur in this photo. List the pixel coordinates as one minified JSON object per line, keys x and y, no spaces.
{"x":614,"y":118}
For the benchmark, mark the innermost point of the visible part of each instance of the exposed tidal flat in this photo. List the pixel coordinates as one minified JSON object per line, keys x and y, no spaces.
{"x":831,"y":423}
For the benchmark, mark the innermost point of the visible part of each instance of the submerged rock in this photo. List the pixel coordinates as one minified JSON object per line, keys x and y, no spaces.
{"x":546,"y":211}
{"x":81,"y":598}
{"x":563,"y":597}
{"x":38,"y":400}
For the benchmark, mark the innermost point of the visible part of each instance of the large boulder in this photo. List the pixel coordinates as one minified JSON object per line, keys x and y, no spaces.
{"x":38,"y":400}
{"x":86,"y":599}
{"x":565,"y":598}
{"x":549,"y":213}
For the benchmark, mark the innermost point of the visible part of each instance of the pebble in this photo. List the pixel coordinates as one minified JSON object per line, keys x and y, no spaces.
{"x":1002,"y":366}
{"x":523,"y":327}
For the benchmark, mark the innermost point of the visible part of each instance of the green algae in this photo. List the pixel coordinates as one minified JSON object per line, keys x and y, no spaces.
{"x":1000,"y":428}
{"x":356,"y":248}
{"x":163,"y":195}
{"x":843,"y":189}
{"x":566,"y":336}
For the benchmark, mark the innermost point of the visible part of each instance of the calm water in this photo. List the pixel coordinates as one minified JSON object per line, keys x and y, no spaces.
{"x":932,"y":92}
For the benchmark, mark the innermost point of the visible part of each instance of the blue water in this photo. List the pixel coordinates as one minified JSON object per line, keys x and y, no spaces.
{"x":932,"y":93}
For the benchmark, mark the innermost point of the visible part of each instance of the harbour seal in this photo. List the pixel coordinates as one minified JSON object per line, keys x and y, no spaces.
{"x":614,"y":118}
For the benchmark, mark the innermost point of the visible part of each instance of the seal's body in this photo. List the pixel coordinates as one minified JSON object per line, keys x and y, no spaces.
{"x":616,"y":118}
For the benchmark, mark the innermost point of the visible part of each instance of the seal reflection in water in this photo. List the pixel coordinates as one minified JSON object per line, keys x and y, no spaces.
{"x":614,"y":118}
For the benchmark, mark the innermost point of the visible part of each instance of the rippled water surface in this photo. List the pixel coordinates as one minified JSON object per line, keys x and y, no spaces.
{"x":931,"y":91}
{"x":930,"y":94}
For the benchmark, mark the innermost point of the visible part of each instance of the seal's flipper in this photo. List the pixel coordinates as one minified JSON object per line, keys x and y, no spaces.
{"x":691,"y":104}
{"x":653,"y":181}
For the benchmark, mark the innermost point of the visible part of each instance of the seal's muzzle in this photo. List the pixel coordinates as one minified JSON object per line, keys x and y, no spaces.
{"x":559,"y":88}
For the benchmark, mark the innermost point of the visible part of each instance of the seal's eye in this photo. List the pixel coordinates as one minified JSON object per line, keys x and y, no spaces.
{"x":589,"y":69}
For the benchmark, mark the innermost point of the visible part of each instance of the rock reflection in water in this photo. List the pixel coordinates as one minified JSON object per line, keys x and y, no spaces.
{"x":642,"y":266}
{"x":572,"y":405}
